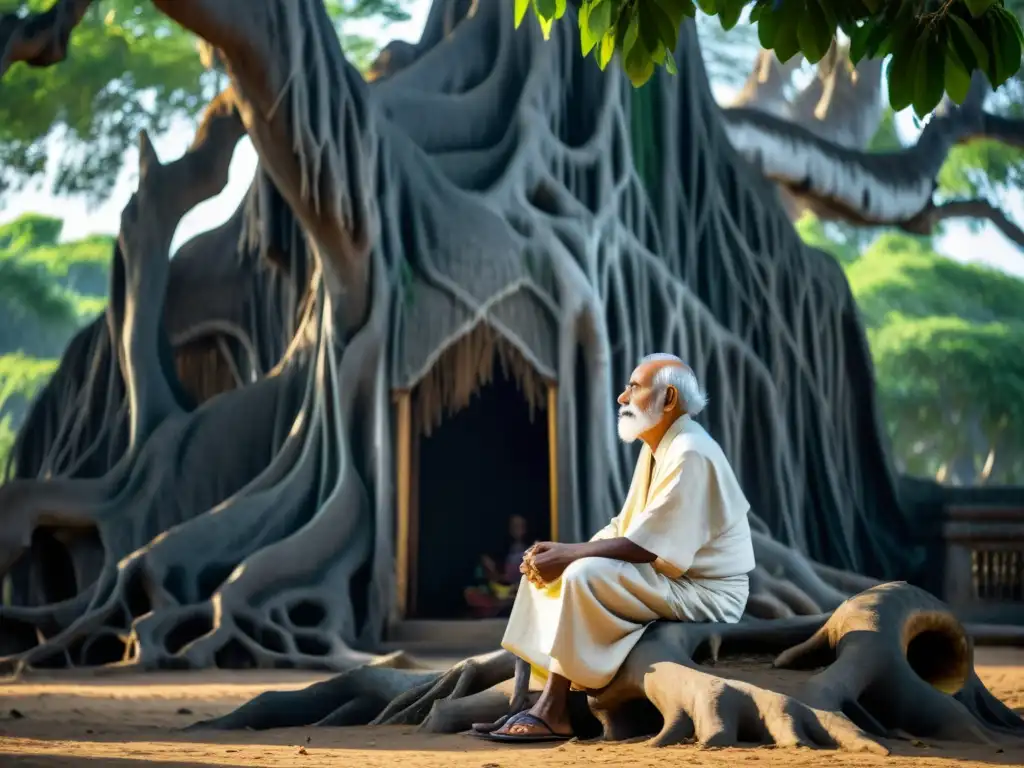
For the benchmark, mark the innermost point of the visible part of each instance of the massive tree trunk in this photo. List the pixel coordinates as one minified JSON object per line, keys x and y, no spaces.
{"x":207,"y":478}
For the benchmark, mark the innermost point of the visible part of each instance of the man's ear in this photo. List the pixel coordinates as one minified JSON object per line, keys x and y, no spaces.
{"x":671,"y":398}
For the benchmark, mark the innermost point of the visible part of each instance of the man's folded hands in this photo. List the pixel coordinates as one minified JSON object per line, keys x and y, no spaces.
{"x":529,"y":569}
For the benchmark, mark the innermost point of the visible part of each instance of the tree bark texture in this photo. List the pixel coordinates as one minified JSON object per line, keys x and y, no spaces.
{"x":889,"y":663}
{"x":212,"y":463}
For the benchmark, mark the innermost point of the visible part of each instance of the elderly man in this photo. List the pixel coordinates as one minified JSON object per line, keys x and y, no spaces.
{"x":680,"y":549}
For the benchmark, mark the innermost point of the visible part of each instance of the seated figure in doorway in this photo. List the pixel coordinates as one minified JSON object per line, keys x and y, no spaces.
{"x":680,"y":550}
{"x":496,"y":584}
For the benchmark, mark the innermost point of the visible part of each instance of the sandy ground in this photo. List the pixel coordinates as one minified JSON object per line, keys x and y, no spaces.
{"x":128,"y":720}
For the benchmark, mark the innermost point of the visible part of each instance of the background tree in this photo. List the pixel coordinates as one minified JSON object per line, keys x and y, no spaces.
{"x":48,"y":290}
{"x":134,"y":70}
{"x":945,"y":338}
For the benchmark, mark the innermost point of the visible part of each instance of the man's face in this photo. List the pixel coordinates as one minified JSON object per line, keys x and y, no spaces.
{"x":517,"y":527}
{"x":641,"y":406}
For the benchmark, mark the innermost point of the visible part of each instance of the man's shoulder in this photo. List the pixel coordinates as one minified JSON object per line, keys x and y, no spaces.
{"x":692,"y":441}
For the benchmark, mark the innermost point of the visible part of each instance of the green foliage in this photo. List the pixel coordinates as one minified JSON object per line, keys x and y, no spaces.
{"x":21,"y":378}
{"x":940,"y":378}
{"x":359,"y":49}
{"x":843,"y":242}
{"x":988,"y":169}
{"x":130,"y":69}
{"x":43,"y":281}
{"x":962,"y":364}
{"x":904,"y":276}
{"x":935,"y":46}
{"x":32,"y":227}
{"x":983,"y":168}
{"x":47,"y":291}
{"x":946,"y":340}
{"x":26,"y":287}
{"x":24,"y":376}
{"x":7,"y":435}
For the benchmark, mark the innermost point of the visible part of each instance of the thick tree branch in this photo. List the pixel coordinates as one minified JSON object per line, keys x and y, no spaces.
{"x":40,"y":39}
{"x":202,"y":172}
{"x":1008,"y":130}
{"x":166,"y":193}
{"x":289,"y":74}
{"x":926,"y":221}
{"x":870,"y":188}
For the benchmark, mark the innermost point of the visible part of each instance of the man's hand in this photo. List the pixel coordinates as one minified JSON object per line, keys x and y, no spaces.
{"x":547,"y":560}
{"x":527,"y":569}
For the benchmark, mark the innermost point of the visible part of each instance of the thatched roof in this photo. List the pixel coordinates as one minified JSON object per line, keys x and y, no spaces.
{"x":450,"y":347}
{"x":482,"y":276}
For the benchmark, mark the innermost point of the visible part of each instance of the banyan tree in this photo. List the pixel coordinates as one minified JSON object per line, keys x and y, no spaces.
{"x":211,"y":477}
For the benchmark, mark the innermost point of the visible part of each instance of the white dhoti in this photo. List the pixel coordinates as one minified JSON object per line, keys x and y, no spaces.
{"x":686,"y":508}
{"x":583,"y":626}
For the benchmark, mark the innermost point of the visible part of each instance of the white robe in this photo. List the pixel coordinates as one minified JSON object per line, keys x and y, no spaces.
{"x":691,"y":514}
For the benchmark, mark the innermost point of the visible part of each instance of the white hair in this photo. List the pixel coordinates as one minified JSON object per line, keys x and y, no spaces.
{"x":681,"y":378}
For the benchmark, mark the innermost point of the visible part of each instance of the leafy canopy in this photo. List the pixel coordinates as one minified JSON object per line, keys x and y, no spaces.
{"x":27,"y":288}
{"x":48,"y":290}
{"x":945,"y":338}
{"x":935,"y":44}
{"x":21,"y":378}
{"x":129,"y":69}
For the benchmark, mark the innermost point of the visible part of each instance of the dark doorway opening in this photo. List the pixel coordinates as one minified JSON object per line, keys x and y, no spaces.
{"x":482,"y":465}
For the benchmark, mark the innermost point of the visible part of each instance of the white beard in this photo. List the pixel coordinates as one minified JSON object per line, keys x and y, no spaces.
{"x":637,"y":422}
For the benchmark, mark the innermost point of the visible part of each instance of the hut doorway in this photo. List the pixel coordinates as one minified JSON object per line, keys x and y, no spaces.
{"x":472,"y":457}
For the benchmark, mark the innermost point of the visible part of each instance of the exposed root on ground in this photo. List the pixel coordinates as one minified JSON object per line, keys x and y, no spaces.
{"x":890,"y":662}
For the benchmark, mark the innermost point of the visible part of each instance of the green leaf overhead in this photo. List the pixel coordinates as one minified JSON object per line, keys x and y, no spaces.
{"x":935,"y":45}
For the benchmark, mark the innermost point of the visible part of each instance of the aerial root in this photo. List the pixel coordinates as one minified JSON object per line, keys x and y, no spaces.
{"x":660,"y":692}
{"x":490,"y":706}
{"x":716,"y":712}
{"x":798,"y":582}
{"x":392,"y":690}
{"x":348,"y":698}
{"x":899,"y":662}
{"x":466,"y":678}
{"x":74,"y":502}
{"x":890,"y":662}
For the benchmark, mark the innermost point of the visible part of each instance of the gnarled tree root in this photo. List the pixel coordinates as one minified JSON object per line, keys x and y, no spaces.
{"x":889,"y":662}
{"x":393,"y":691}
